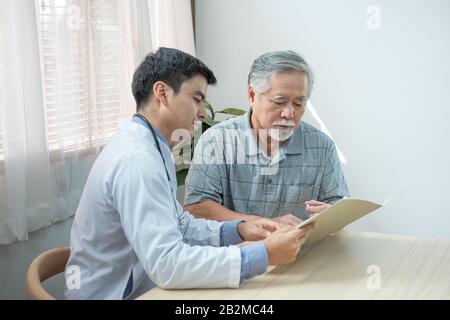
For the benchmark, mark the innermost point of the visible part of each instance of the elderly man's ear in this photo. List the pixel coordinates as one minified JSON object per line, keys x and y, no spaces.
{"x":251,"y":94}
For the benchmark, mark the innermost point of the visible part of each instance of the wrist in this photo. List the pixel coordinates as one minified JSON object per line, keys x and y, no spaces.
{"x":251,"y":217}
{"x":267,"y":246}
{"x":239,"y":225}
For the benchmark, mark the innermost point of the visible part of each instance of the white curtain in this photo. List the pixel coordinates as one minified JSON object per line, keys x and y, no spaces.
{"x":65,"y":76}
{"x":171,"y":24}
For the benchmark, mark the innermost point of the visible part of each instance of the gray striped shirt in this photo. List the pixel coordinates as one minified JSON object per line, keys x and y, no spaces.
{"x":231,"y":170}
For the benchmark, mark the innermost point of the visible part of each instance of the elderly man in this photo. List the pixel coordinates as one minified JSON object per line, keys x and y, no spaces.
{"x":267,"y":163}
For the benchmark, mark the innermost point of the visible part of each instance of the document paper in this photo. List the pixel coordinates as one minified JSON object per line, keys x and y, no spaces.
{"x":334,"y":218}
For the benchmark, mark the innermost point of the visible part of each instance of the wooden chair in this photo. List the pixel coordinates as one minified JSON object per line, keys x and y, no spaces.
{"x":44,"y":266}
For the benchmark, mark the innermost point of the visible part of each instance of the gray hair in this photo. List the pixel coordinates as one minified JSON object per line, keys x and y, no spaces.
{"x":277,"y":61}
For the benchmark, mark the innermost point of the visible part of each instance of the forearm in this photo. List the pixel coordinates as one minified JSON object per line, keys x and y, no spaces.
{"x":209,"y":209}
{"x":330,"y":200}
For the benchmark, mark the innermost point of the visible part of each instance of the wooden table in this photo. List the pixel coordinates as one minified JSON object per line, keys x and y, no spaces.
{"x":347,"y":265}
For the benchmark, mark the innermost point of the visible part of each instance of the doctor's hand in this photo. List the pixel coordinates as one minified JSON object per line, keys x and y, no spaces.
{"x":288,"y":219}
{"x":314,"y":206}
{"x":256,"y":229}
{"x":284,"y":244}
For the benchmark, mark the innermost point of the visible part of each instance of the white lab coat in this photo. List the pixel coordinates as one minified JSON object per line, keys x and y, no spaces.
{"x":128,"y":221}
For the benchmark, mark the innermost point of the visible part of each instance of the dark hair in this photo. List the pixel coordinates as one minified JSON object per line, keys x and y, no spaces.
{"x":169,"y":65}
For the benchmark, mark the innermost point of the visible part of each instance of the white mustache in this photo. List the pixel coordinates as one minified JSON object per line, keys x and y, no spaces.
{"x":286,"y":123}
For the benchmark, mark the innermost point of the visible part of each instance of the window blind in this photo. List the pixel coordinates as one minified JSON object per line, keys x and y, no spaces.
{"x":80,"y":49}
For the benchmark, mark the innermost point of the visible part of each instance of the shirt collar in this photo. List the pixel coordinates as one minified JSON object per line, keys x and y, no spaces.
{"x":292,"y":146}
{"x":158,"y":133}
{"x":252,"y":143}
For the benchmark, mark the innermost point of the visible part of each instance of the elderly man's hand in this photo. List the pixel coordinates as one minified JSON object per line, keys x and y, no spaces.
{"x":313,"y":206}
{"x":257,"y":229}
{"x":288,"y":219}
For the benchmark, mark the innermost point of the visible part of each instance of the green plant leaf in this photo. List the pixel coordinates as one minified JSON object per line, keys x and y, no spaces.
{"x":181,"y":176}
{"x":209,"y":107}
{"x":232,"y":111}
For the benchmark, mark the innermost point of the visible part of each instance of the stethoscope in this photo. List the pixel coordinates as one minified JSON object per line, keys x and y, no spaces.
{"x":158,"y":146}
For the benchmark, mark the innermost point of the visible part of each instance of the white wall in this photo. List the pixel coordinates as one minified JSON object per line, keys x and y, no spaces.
{"x":383,"y":94}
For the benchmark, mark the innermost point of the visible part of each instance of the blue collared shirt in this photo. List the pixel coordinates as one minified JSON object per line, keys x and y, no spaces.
{"x":158,"y":133}
{"x":254,"y":258}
